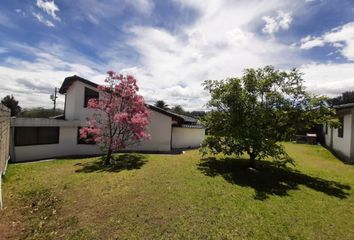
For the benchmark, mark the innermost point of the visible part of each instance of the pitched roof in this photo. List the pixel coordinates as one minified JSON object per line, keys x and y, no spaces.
{"x":70,"y":80}
{"x":163,"y":111}
{"x":181,"y":119}
{"x":342,"y":106}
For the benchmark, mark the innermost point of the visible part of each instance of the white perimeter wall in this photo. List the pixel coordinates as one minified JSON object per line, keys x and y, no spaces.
{"x":187,"y":137}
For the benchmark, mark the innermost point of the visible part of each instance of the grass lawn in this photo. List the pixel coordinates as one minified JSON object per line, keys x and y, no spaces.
{"x":180,"y":197}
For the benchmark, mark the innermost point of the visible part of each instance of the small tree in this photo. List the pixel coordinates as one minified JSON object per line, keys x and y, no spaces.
{"x":12,"y":104}
{"x":252,"y":114}
{"x":120,"y":117}
{"x":161,"y":104}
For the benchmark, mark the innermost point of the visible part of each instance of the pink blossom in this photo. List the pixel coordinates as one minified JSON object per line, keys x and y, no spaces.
{"x":121,"y":115}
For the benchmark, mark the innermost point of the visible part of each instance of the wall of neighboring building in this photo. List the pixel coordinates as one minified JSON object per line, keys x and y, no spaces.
{"x":4,"y":137}
{"x":343,"y":146}
{"x":185,"y":137}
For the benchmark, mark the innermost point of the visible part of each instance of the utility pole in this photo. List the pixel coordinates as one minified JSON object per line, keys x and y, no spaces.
{"x":54,"y":98}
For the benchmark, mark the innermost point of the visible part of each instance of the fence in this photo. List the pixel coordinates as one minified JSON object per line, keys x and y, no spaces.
{"x":4,"y":142}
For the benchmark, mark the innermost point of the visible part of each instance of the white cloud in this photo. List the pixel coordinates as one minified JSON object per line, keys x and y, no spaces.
{"x":3,"y":50}
{"x":329,"y":79}
{"x":172,"y":65}
{"x":281,"y":22}
{"x":341,"y":37}
{"x":143,"y":6}
{"x":32,"y":81}
{"x":311,"y":42}
{"x":49,"y":7}
{"x":41,"y":19}
{"x":95,"y":11}
{"x":6,"y":21}
{"x":218,"y":45}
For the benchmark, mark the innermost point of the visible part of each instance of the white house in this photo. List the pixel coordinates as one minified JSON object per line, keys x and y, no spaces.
{"x":341,"y":140}
{"x":41,"y":138}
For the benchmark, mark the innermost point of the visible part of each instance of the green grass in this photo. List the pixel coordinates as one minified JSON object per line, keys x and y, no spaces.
{"x":180,"y":197}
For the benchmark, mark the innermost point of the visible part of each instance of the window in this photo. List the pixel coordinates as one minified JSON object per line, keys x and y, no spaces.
{"x":25,"y":136}
{"x":89,"y":93}
{"x":88,"y":140}
{"x":340,"y":128}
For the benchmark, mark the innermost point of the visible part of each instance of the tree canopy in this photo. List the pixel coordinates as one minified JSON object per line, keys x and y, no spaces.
{"x":12,"y":104}
{"x":121,"y":116}
{"x":179,"y":110}
{"x":40,"y":112}
{"x":252,"y":114}
{"x":161,"y":104}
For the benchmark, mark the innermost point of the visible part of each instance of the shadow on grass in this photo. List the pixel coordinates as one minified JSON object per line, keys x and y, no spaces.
{"x":268,"y":179}
{"x":120,"y":162}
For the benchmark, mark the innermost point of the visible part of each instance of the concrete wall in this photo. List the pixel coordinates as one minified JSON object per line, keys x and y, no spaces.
{"x":4,"y":136}
{"x":327,"y":136}
{"x":184,"y":137}
{"x":74,"y":105}
{"x":344,"y":147}
{"x":159,"y":128}
{"x":67,"y":146}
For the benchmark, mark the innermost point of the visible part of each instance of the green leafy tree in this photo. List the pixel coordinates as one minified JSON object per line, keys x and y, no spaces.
{"x":179,"y":110}
{"x":40,"y":112}
{"x":161,"y":104}
{"x":254,"y":113}
{"x":12,"y":104}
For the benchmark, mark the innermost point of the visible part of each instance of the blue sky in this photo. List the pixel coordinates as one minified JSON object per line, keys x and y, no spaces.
{"x":172,"y":46}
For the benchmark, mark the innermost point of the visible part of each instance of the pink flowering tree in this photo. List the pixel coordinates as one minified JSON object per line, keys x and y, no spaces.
{"x":121,"y":116}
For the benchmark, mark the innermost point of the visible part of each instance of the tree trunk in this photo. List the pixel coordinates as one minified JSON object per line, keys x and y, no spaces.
{"x":107,"y":160}
{"x":252,"y":159}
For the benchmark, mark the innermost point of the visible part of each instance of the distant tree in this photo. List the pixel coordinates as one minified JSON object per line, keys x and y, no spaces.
{"x":179,"y":110}
{"x":121,"y":116}
{"x":346,"y":97}
{"x":12,"y":104}
{"x":197,"y":114}
{"x":40,"y":112}
{"x":161,"y":104}
{"x":254,"y":113}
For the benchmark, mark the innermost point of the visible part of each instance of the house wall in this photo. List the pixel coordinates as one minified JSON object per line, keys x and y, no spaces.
{"x":327,"y":136}
{"x":74,"y":105}
{"x":351,"y":158}
{"x":184,"y":137}
{"x":67,"y":146}
{"x":344,"y":147}
{"x":159,"y":128}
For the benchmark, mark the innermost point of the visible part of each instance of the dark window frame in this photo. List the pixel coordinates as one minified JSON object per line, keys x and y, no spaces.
{"x":82,"y":141}
{"x":89,"y":94}
{"x":37,"y":140}
{"x":341,"y":127}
